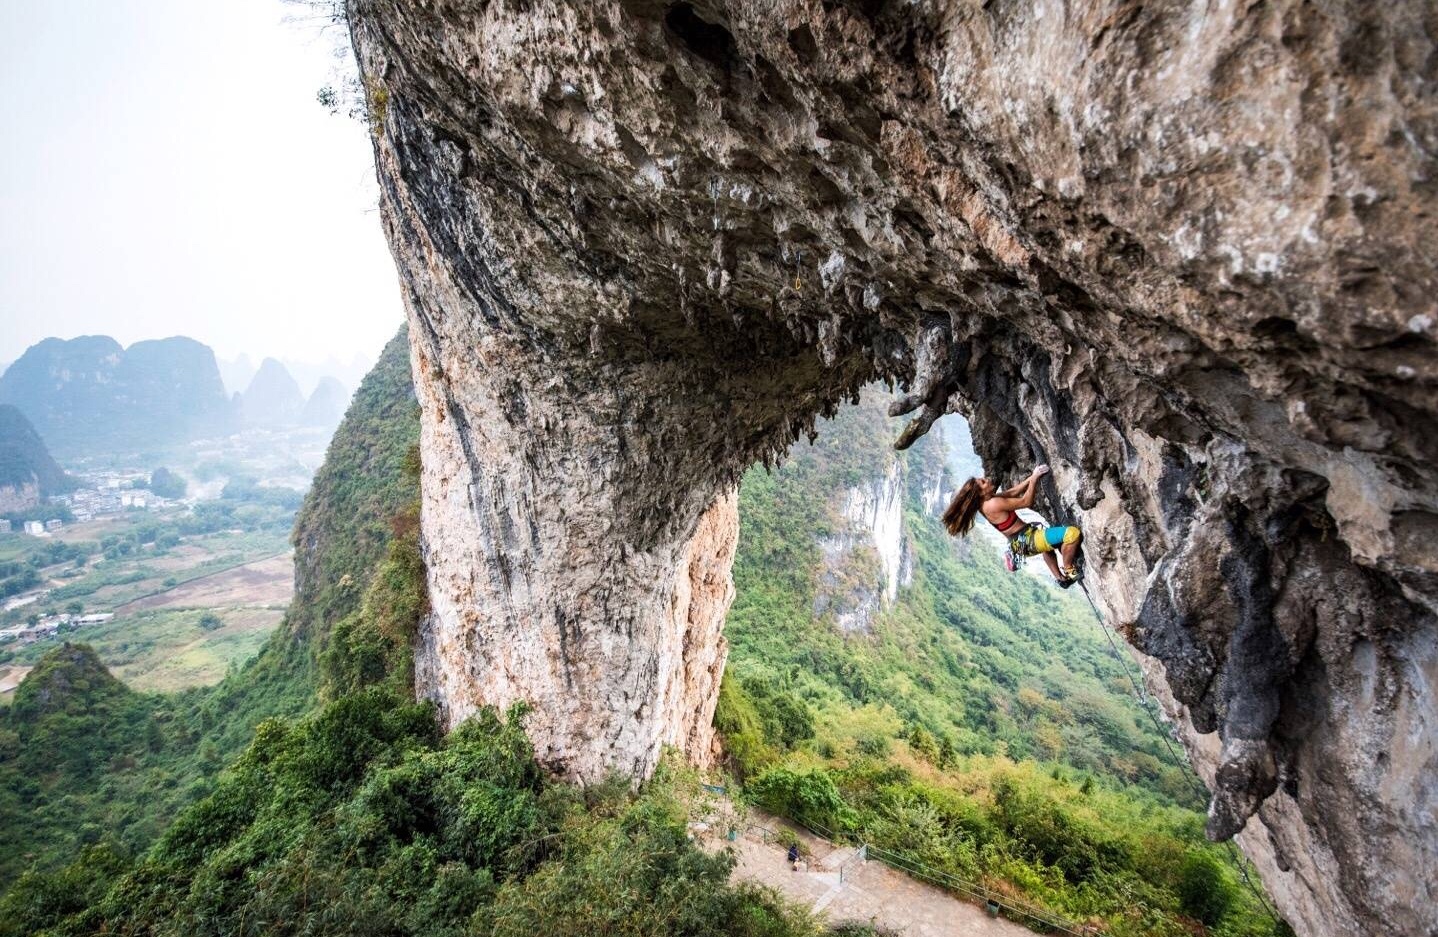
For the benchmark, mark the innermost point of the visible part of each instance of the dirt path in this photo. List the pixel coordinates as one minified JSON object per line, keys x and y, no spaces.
{"x":10,"y":677}
{"x":866,"y":891}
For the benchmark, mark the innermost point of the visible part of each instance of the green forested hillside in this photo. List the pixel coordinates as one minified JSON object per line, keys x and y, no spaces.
{"x":980,"y":723}
{"x":101,"y":763}
{"x":357,"y":818}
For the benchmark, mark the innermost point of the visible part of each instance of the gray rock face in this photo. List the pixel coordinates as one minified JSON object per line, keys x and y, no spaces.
{"x":1181,"y":252}
{"x":19,"y":496}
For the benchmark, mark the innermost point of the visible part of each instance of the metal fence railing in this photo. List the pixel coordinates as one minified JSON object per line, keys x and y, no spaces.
{"x":847,"y":867}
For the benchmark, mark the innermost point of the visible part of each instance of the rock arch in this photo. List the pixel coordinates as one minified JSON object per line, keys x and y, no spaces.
{"x":1179,"y":253}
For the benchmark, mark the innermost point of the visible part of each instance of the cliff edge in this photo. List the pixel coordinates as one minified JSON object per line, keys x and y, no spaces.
{"x":1179,"y":252}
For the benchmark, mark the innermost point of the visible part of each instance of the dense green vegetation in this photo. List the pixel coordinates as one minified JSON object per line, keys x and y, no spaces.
{"x":167,"y":484}
{"x":84,"y":759}
{"x":362,"y":820}
{"x":980,"y":724}
{"x":368,"y":479}
{"x":977,"y":725}
{"x":116,"y":767}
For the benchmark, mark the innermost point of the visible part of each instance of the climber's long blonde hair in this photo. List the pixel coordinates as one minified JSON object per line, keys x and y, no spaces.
{"x":960,"y":514}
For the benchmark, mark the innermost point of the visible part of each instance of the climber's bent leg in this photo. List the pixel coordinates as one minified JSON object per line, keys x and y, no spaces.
{"x":1070,"y":540}
{"x":1066,"y":541}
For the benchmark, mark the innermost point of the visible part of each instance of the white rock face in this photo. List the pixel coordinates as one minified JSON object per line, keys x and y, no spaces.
{"x":611,"y":635}
{"x":934,"y":496}
{"x":877,"y":509}
{"x":19,"y":497}
{"x":867,"y":561}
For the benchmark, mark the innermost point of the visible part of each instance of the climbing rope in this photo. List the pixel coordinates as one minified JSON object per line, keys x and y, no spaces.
{"x":1113,"y":646}
{"x":1199,"y":789}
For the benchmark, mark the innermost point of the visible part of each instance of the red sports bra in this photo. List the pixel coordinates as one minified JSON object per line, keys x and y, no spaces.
{"x":1007,"y":525}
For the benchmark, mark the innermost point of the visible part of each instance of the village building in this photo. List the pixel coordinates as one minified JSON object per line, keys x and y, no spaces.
{"x":35,"y":528}
{"x":54,"y":524}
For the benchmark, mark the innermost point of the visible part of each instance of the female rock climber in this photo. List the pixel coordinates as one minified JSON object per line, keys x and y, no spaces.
{"x":1025,"y":539}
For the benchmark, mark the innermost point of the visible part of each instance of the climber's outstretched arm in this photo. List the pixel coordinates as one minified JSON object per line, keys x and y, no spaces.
{"x":1021,"y":495}
{"x":1016,"y":491}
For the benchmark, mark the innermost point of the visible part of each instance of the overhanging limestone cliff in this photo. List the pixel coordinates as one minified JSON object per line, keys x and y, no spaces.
{"x":1180,"y":251}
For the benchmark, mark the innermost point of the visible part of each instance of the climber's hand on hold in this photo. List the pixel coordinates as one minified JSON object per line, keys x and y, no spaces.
{"x":1041,"y":469}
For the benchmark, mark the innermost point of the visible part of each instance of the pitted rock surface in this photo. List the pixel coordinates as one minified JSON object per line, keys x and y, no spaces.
{"x":1181,"y":252}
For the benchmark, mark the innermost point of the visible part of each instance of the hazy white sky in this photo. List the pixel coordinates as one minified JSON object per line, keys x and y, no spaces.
{"x":166,"y":170}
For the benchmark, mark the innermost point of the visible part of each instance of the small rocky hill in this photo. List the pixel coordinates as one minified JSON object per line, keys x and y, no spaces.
{"x":27,"y":470}
{"x":69,"y":680}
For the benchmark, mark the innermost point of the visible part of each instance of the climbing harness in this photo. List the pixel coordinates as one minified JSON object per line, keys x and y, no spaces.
{"x":1199,"y":789}
{"x":1023,"y":546}
{"x":1020,"y":547}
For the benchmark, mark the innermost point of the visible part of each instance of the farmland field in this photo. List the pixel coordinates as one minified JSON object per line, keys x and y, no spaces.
{"x":184,"y":612}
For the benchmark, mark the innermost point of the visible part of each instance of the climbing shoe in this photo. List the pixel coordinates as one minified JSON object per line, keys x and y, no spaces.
{"x":1069,"y":576}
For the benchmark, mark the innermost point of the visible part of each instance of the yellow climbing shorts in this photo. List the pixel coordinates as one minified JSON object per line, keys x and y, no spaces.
{"x":1043,"y":539}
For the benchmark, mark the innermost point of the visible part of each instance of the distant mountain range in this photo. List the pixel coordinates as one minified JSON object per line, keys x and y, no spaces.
{"x":90,"y":395}
{"x":27,"y":471}
{"x":237,"y":372}
{"x":327,"y":405}
{"x":272,"y":398}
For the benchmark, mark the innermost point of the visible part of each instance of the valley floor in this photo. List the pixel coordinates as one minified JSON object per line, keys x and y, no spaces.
{"x":169,"y":639}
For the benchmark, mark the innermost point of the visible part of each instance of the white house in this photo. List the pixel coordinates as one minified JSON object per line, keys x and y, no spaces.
{"x":35,"y":528}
